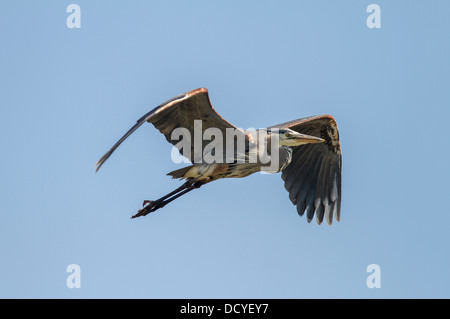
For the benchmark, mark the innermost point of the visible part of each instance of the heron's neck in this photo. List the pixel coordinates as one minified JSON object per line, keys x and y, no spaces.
{"x":285,"y":156}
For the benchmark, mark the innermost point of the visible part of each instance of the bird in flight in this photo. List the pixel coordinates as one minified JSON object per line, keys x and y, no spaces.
{"x":307,"y":153}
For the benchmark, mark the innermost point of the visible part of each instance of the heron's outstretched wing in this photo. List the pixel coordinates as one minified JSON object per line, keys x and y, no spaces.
{"x":313,"y":178}
{"x":180,"y":112}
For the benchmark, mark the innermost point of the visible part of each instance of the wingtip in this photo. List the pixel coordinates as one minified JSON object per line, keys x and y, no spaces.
{"x":98,"y":165}
{"x":196,"y":91}
{"x":102,"y":160}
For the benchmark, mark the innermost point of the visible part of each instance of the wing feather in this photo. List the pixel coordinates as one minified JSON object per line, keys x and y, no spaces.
{"x":310,"y":198}
{"x":313,"y":178}
{"x":322,"y":190}
{"x":305,"y":173}
{"x":180,"y":112}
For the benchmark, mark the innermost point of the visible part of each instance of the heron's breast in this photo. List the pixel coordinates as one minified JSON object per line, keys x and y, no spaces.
{"x":285,"y":157}
{"x":207,"y":171}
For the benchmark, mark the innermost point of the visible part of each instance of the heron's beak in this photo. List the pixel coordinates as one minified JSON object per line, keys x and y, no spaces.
{"x":301,"y":139}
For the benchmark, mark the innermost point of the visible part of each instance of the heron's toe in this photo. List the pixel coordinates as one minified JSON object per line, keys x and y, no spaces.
{"x":146,"y":202}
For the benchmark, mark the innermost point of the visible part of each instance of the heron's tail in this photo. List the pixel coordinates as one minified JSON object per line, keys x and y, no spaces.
{"x":181,"y":173}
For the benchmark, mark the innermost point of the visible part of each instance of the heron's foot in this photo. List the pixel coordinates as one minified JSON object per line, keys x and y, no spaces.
{"x":146,"y":202}
{"x":148,"y":207}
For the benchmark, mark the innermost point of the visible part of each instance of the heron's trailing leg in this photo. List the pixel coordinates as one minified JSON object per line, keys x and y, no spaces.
{"x":179,"y":189}
{"x":151,"y":206}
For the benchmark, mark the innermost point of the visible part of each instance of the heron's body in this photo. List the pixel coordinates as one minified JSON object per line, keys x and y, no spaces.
{"x":307,"y":152}
{"x":214,"y":171}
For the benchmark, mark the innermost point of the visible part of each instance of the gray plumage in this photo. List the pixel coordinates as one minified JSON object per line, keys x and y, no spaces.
{"x":309,"y":155}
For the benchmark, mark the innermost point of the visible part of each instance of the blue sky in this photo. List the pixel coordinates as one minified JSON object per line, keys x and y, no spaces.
{"x":67,"y":95}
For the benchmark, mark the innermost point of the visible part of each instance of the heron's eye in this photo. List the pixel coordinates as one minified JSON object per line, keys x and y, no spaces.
{"x":287,"y":134}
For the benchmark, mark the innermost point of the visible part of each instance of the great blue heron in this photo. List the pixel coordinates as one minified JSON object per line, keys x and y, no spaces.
{"x":309,"y":155}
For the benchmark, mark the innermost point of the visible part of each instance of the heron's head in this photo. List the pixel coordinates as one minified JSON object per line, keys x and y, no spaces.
{"x":291,"y":138}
